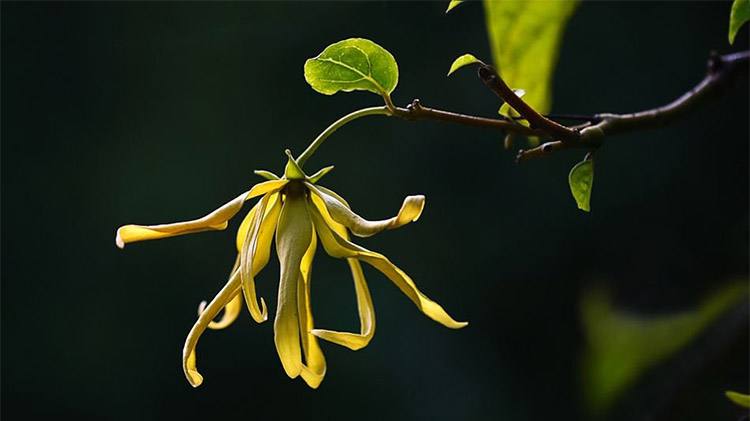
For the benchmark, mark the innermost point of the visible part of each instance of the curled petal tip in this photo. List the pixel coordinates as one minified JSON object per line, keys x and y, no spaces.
{"x":202,"y":307}
{"x":194,"y":378}
{"x":263,"y":310}
{"x":118,"y":240}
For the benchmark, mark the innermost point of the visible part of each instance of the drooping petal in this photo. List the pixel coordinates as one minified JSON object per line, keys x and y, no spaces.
{"x":216,"y":220}
{"x":337,"y":246}
{"x":255,"y":252}
{"x":188,"y":351}
{"x":410,"y":211}
{"x":293,"y":237}
{"x":314,"y":367}
{"x":231,"y":310}
{"x":246,"y":223}
{"x":365,"y":308}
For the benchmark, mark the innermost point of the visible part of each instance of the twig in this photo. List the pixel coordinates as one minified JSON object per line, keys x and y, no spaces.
{"x":416,"y":111}
{"x":721,"y":71}
{"x":496,"y":84}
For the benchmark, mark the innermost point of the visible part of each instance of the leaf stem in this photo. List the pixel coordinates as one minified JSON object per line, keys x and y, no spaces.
{"x":304,"y":156}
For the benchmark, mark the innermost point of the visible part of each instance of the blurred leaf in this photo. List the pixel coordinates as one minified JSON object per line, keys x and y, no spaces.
{"x":525,"y":37}
{"x":453,"y":4}
{"x":623,"y":345}
{"x":581,"y":180}
{"x":353,"y":64}
{"x":462,"y":61}
{"x":737,"y":17}
{"x":738,"y":398}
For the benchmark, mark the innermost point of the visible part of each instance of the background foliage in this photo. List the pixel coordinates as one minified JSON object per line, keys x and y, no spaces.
{"x":132,"y":112}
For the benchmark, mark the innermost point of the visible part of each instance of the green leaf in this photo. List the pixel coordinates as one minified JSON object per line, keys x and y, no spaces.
{"x":453,"y":4}
{"x":581,"y":179}
{"x":350,"y":65}
{"x":738,"y":398}
{"x":623,"y":345}
{"x":737,"y":17}
{"x":462,"y":61}
{"x":525,"y":38}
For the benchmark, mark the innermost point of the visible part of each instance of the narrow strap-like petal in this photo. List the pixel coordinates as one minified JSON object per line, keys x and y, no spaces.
{"x":231,"y":310}
{"x":216,"y":220}
{"x":314,"y":367}
{"x":410,"y":211}
{"x":337,"y":246}
{"x":293,"y":237}
{"x":365,"y":308}
{"x":188,"y":351}
{"x":255,"y":254}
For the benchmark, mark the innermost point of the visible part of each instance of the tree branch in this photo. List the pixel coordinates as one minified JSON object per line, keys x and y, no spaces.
{"x":721,"y":71}
{"x":496,"y":84}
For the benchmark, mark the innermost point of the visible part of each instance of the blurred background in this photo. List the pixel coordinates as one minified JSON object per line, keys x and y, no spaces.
{"x":116,"y":113}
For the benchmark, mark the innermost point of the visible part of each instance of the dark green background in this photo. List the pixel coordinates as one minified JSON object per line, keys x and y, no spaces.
{"x":117,"y":113}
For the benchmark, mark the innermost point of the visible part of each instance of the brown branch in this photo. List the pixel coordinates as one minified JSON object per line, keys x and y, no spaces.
{"x":721,"y":71}
{"x":416,"y":111}
{"x":496,"y":84}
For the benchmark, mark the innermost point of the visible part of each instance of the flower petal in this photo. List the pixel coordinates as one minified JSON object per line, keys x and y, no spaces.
{"x":314,"y":368}
{"x":216,"y":220}
{"x":365,"y":308}
{"x":293,"y":238}
{"x":355,"y":341}
{"x":337,"y":246}
{"x":188,"y":351}
{"x":231,"y":310}
{"x":256,"y":248}
{"x":410,"y":211}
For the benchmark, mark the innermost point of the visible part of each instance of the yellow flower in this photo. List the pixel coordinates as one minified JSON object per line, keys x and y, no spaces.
{"x":299,"y":212}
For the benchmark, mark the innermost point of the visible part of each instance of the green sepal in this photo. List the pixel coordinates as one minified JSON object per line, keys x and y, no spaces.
{"x":268,"y":175}
{"x":293,"y":170}
{"x":318,"y":175}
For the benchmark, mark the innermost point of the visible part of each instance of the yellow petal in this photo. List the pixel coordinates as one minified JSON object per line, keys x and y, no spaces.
{"x":216,"y":220}
{"x":266,"y":187}
{"x":314,"y":368}
{"x":293,"y":238}
{"x":410,"y":211}
{"x":355,"y":341}
{"x":256,"y":248}
{"x":247,"y":222}
{"x":188,"y":351}
{"x":231,"y":310}
{"x":337,"y":246}
{"x":365,"y":308}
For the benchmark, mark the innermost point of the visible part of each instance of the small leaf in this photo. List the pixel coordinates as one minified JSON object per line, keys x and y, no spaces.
{"x":581,"y":179}
{"x":350,"y":65}
{"x":738,"y":398}
{"x":453,"y":4}
{"x":737,"y":17}
{"x":462,"y":61}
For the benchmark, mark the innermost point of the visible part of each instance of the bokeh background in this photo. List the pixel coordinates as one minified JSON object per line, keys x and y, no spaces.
{"x":117,"y":113}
